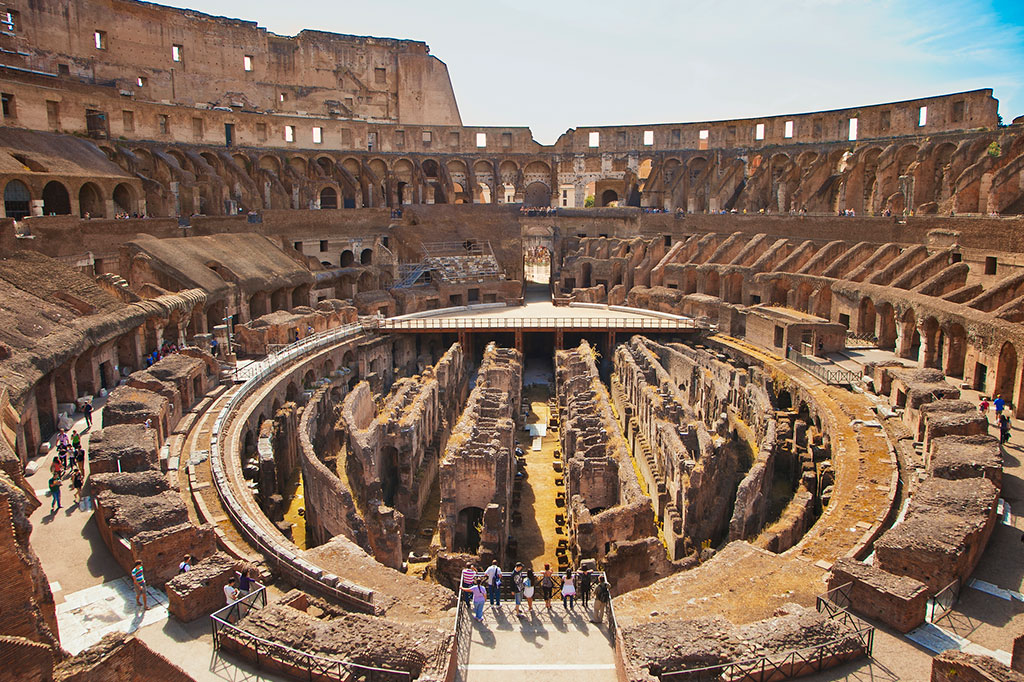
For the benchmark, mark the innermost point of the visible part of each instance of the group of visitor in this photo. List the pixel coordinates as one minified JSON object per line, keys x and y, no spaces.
{"x":573,"y":586}
{"x":165,"y":349}
{"x":69,"y":462}
{"x":1002,"y":416}
{"x":537,"y":211}
{"x":537,"y":255}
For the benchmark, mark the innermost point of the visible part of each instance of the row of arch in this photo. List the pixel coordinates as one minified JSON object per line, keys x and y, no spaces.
{"x":54,"y":198}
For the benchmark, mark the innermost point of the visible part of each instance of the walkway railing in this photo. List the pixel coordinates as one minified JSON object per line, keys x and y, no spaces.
{"x":258,"y":370}
{"x":941,"y":605}
{"x":569,"y":323}
{"x":462,"y":638}
{"x":229,"y":632}
{"x":827,"y":372}
{"x":858,"y":642}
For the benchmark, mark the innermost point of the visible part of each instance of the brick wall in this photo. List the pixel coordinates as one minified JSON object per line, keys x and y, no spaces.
{"x":957,"y":666}
{"x":897,"y":601}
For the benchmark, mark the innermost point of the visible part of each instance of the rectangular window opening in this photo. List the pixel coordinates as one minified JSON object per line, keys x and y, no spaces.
{"x":282,"y":97}
{"x":853,"y":129}
{"x":759,"y":131}
{"x":990,"y":265}
{"x":197,"y":128}
{"x":506,"y":139}
{"x":53,"y":114}
{"x":648,"y":137}
{"x":141,"y":81}
{"x":922,"y":117}
{"x":289,"y":133}
{"x":247,"y":62}
{"x":788,"y":133}
{"x":595,"y":139}
{"x":100,"y":39}
{"x":318,"y":135}
{"x":426,"y":138}
{"x":323,"y":245}
{"x":481,"y":140}
{"x":261,"y":132}
{"x":380,"y":75}
{"x":453,"y":139}
{"x":177,"y":52}
{"x":163,"y":123}
{"x":128,"y":121}
{"x":399,"y":138}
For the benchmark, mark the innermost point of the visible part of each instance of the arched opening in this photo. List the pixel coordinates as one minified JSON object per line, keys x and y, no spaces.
{"x":609,"y":197}
{"x":328,"y":198}
{"x":866,"y":318}
{"x":910,"y":337}
{"x":712,"y":283}
{"x":1006,"y":373}
{"x":16,"y":200}
{"x":886,"y":326}
{"x":389,"y":476}
{"x":308,"y":379}
{"x":468,"y":527}
{"x":124,"y":199}
{"x":585,"y":273}
{"x":803,"y":297}
{"x":291,"y":393}
{"x":932,"y":350}
{"x":347,"y":258}
{"x":823,"y":303}
{"x":300,"y":296}
{"x":956,"y":339}
{"x":366,"y":257}
{"x":90,"y":201}
{"x":537,"y":194}
{"x":56,"y":200}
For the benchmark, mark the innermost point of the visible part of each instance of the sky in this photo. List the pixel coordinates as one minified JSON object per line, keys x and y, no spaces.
{"x":558,"y":64}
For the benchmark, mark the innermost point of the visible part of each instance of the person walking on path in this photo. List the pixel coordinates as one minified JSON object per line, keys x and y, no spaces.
{"x":568,"y":590}
{"x":1004,"y":428}
{"x":602,"y":595}
{"x":983,"y":407}
{"x":493,"y":573}
{"x":231,"y":594}
{"x":547,"y":583}
{"x":529,"y":587}
{"x":76,"y":440}
{"x":87,"y":413}
{"x":54,"y":491}
{"x":478,"y":593}
{"x":518,"y":580}
{"x":467,"y":580}
{"x":76,"y":484}
{"x":139,"y":581}
{"x":583,"y":587}
{"x":999,"y":404}
{"x":57,"y":468}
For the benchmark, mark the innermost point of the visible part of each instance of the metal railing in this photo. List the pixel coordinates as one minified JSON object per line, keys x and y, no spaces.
{"x":257,"y":370}
{"x":858,"y":642}
{"x":941,"y":605}
{"x":512,"y":323}
{"x":463,"y":637}
{"x":283,"y":658}
{"x":828,"y":373}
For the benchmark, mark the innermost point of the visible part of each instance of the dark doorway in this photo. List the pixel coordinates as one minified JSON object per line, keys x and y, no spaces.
{"x":467,"y":535}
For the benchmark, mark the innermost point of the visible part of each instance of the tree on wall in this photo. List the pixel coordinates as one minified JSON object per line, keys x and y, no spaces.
{"x":588,"y":202}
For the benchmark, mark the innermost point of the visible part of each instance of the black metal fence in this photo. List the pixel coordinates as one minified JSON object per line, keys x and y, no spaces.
{"x":828,"y":373}
{"x":229,"y":633}
{"x":943,"y":602}
{"x":858,"y":642}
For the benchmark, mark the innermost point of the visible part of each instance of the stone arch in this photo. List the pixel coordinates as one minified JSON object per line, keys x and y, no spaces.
{"x":90,"y":201}
{"x":291,"y":393}
{"x":931,"y":355}
{"x":866,"y":317}
{"x":1006,"y":372}
{"x":328,"y":198}
{"x":124,"y":198}
{"x":910,"y":337}
{"x":886,"y":325}
{"x":956,"y":351}
{"x":733,"y":288}
{"x":537,"y":194}
{"x":298,"y":164}
{"x":271,"y":163}
{"x":609,"y":197}
{"x":366,"y":257}
{"x":308,"y":379}
{"x":56,"y":200}
{"x":803,"y":297}
{"x":17,"y":200}
{"x":347,"y":258}
{"x":213,"y":161}
{"x":431,"y":169}
{"x":823,"y":303}
{"x":712,"y":283}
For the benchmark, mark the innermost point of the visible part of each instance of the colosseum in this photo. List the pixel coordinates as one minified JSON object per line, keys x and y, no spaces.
{"x":339,"y":388}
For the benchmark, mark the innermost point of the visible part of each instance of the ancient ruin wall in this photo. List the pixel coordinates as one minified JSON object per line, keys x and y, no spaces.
{"x":606,"y":501}
{"x":478,"y":463}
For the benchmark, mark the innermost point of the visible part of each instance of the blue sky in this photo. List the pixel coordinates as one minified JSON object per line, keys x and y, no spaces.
{"x":555,"y":65}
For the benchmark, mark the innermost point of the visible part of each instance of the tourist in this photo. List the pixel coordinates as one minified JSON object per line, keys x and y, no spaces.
{"x":547,"y":583}
{"x":583,"y":586}
{"x":478,"y":594}
{"x":80,"y":460}
{"x":493,"y":573}
{"x":87,"y":413}
{"x":62,"y":439}
{"x":76,"y":440}
{"x":54,"y":491}
{"x":518,"y":580}
{"x":1004,"y":428}
{"x":602,"y":595}
{"x":999,"y":404}
{"x":186,"y":564}
{"x":76,"y":484}
{"x":529,"y":587}
{"x":57,"y":468}
{"x":245,"y":580}
{"x":568,"y":590}
{"x":468,"y":580}
{"x":983,"y":407}
{"x":139,"y":581}
{"x":231,"y":594}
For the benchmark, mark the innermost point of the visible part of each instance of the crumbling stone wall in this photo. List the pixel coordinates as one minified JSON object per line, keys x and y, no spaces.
{"x":392,"y":455}
{"x":896,"y":600}
{"x":283,"y":327}
{"x":960,"y":666}
{"x":479,"y":461}
{"x":606,"y":501}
